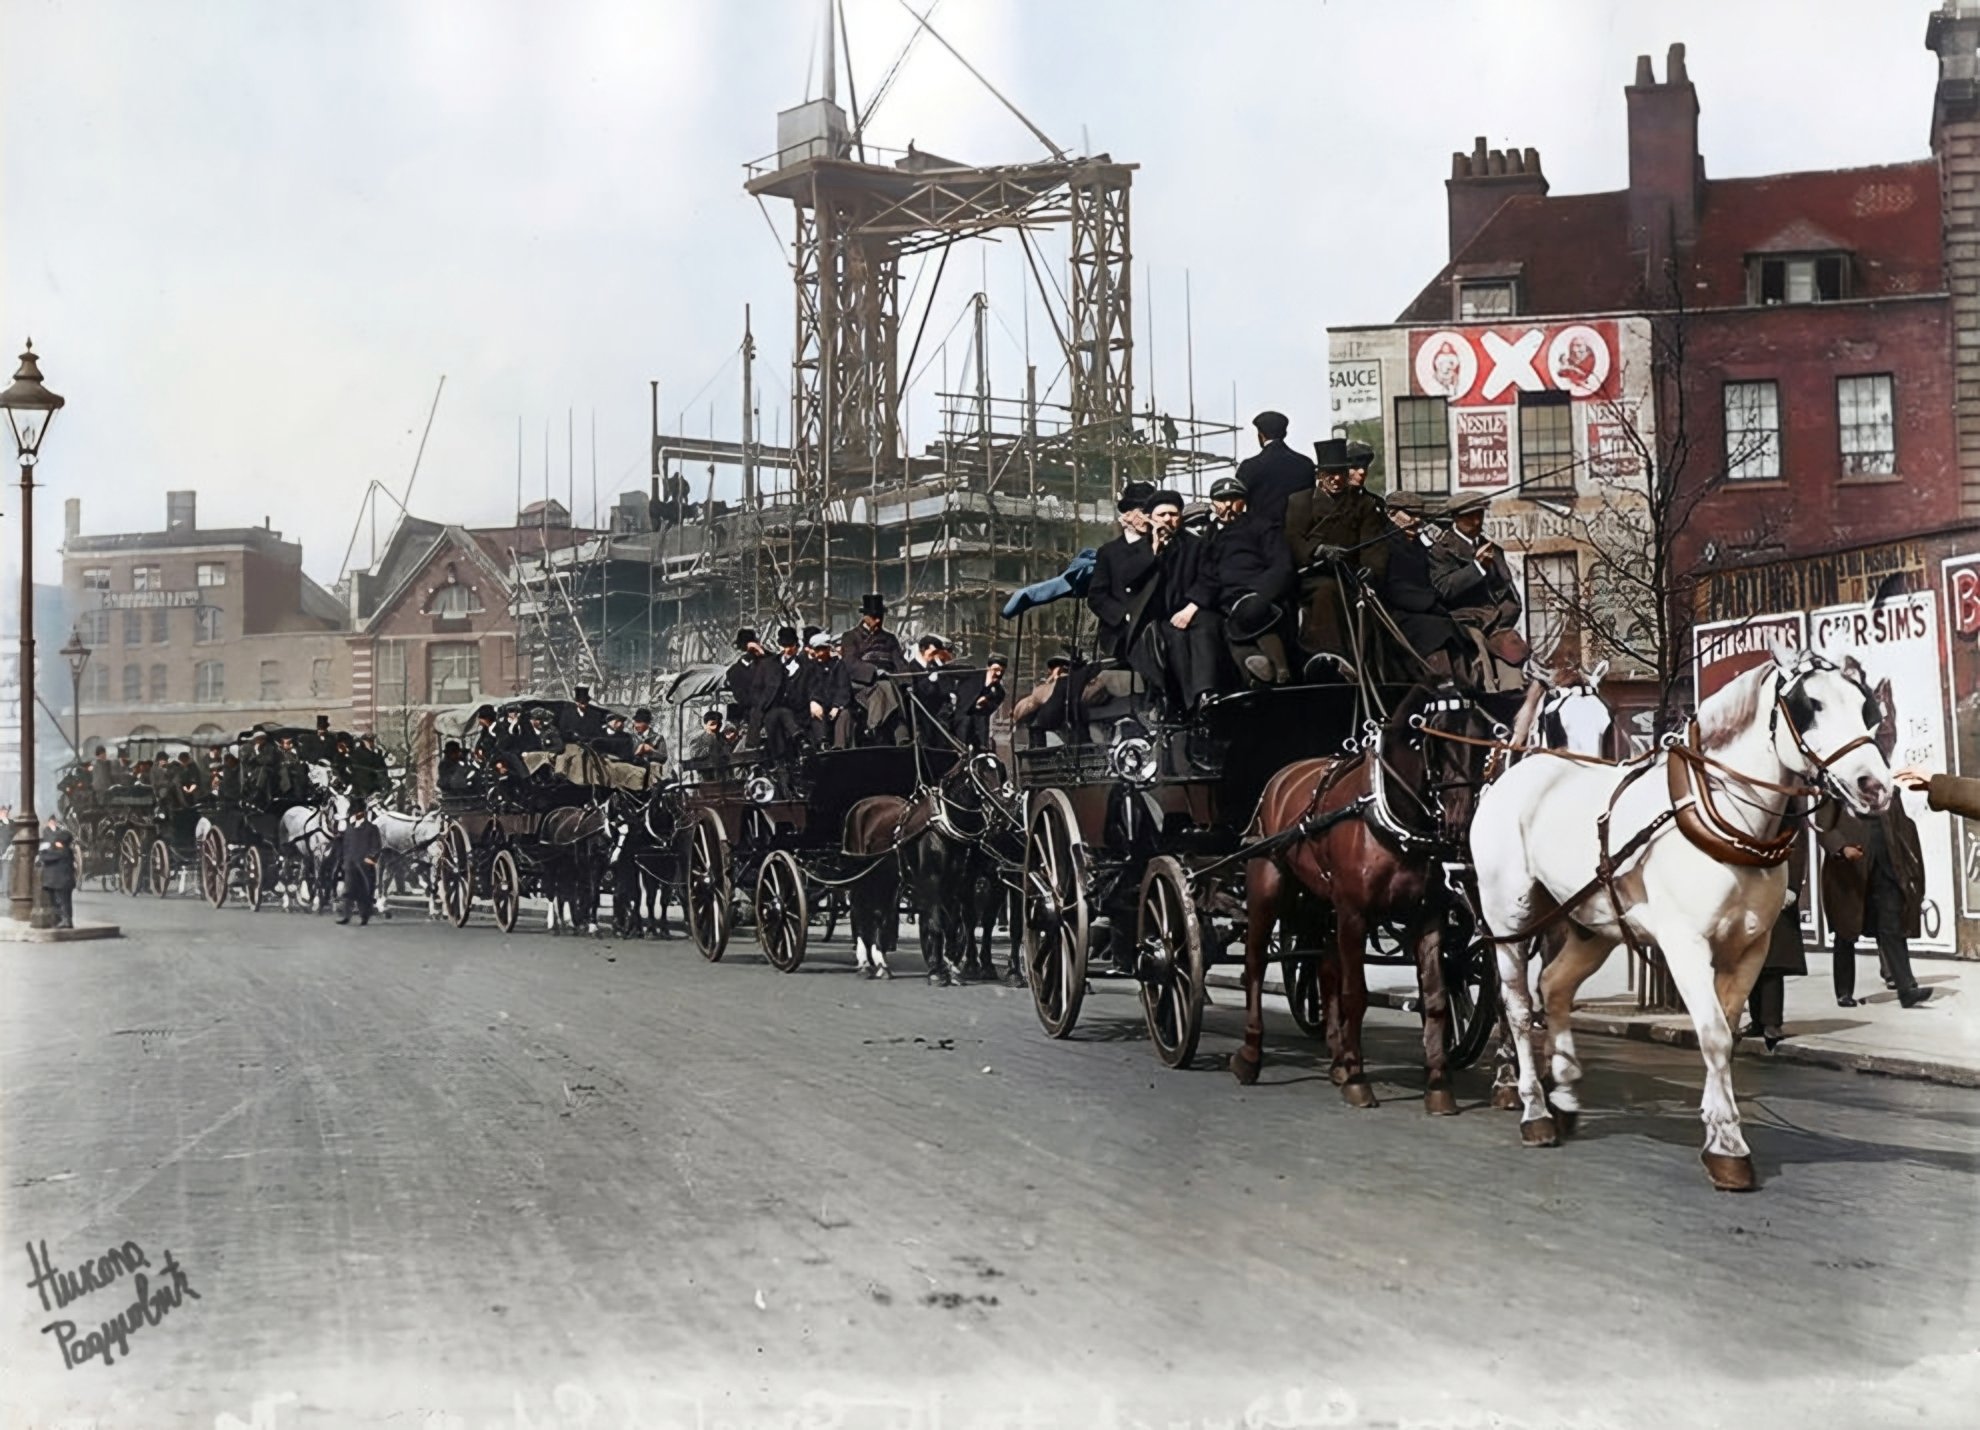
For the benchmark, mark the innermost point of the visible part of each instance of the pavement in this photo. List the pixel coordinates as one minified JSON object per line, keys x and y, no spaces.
{"x":1938,"y":1041}
{"x":11,"y":932}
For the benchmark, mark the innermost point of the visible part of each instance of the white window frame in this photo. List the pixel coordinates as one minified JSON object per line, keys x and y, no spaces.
{"x":1866,"y":424}
{"x":388,"y":675}
{"x":211,"y":573}
{"x":1480,"y":300}
{"x":1553,"y":597}
{"x":147,"y":578}
{"x":1753,"y":430}
{"x":96,"y":578}
{"x":461,"y":680}
{"x":209,"y":682}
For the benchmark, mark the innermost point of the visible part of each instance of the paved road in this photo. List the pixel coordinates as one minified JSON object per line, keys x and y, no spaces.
{"x":436,"y":1178}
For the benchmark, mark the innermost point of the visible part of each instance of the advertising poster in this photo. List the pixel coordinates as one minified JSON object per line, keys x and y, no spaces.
{"x":1354,"y":391}
{"x":1893,"y":647}
{"x":1484,"y":448}
{"x":1726,"y":650}
{"x":1491,"y":367}
{"x":1962,"y":588}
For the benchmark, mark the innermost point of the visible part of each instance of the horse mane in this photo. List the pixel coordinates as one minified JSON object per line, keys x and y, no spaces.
{"x":1729,"y":713}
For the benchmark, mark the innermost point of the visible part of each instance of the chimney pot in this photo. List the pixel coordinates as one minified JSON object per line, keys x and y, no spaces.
{"x":1478,"y":155}
{"x":71,"y":518}
{"x":1674,"y":66}
{"x":1645,"y":76}
{"x":1533,"y":161}
{"x":1498,"y":161}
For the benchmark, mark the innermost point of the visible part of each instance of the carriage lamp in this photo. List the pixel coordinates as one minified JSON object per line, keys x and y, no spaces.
{"x":77,"y":655}
{"x":760,"y":789}
{"x":30,"y":408}
{"x":1134,"y":760}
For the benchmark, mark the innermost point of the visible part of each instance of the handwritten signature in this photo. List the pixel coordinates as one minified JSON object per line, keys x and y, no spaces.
{"x":151,"y":1300}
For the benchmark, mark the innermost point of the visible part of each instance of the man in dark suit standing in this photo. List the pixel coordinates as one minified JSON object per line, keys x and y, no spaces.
{"x":976,"y":701}
{"x":1873,"y":881}
{"x":1123,"y":575}
{"x":1253,"y":573}
{"x":1275,"y":472}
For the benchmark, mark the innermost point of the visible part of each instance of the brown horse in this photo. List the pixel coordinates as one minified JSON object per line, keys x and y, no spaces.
{"x":1365,"y":837}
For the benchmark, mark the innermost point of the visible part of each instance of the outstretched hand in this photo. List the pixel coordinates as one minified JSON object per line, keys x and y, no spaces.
{"x":1912,"y":777}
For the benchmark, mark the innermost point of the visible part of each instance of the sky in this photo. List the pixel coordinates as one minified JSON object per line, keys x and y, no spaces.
{"x":248,"y":239}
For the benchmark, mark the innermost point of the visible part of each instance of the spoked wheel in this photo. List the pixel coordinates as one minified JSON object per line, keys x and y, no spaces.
{"x":455,"y":872}
{"x":1301,"y":977}
{"x":1055,"y":914}
{"x":834,"y":908}
{"x":1471,"y":986}
{"x":1170,"y":962}
{"x":161,"y":867}
{"x":130,"y":862}
{"x":253,"y":876}
{"x":505,"y":889}
{"x":780,"y":911}
{"x":213,"y":867}
{"x":708,"y":893}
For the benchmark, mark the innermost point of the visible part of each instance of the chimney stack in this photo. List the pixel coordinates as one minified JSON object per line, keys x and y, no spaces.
{"x":1666,"y":173}
{"x":71,"y":519}
{"x":181,"y":511}
{"x":1483,"y":180}
{"x":1953,"y":33}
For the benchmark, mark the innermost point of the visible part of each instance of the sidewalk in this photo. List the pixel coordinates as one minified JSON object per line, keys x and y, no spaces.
{"x":1937,"y":1042}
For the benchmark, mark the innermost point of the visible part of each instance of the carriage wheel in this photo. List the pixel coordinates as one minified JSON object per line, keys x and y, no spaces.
{"x":780,"y":911}
{"x":253,"y":873}
{"x":1055,"y":916}
{"x":213,"y":867}
{"x":505,"y":889}
{"x":455,"y":873}
{"x":1171,"y":965}
{"x":161,"y":867}
{"x":708,"y":891}
{"x":1471,"y":986}
{"x":1301,"y":978}
{"x":130,"y":862}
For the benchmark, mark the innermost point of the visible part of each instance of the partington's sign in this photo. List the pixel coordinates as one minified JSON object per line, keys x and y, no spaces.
{"x":146,"y":600}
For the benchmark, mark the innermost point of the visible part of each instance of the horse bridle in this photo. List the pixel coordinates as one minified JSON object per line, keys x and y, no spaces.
{"x":1820,"y":767}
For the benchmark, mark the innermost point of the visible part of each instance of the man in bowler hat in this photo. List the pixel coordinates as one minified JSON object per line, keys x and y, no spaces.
{"x":1123,"y":579}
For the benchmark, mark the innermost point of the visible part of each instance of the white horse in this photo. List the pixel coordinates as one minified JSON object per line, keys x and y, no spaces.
{"x":1705,"y":893}
{"x":1574,"y":717}
{"x":412,"y":840}
{"x":307,"y":833}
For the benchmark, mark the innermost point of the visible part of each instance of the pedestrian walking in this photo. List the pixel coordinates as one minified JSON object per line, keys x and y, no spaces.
{"x":1785,"y":958}
{"x":359,"y":847}
{"x":58,"y":876}
{"x":1943,"y":791}
{"x":1873,"y":881}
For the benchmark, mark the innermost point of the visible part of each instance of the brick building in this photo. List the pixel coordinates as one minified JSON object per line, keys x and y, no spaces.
{"x":1796,"y":356}
{"x":200,"y":630}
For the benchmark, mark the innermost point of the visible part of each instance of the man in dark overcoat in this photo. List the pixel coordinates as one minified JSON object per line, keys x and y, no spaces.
{"x":871,"y":651}
{"x":1123,"y":577}
{"x":1254,"y":575}
{"x":754,"y":680}
{"x":57,"y":859}
{"x":1184,"y":628}
{"x":1406,"y":592}
{"x":358,"y":849}
{"x":1332,"y":531}
{"x":1275,"y":472}
{"x":977,"y":698}
{"x":1873,"y":882}
{"x":1471,"y":574}
{"x":827,"y":695}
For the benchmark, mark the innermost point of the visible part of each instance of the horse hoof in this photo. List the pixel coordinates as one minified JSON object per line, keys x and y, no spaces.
{"x":1440,"y":1102}
{"x":883,"y":972}
{"x":1539,"y":1132}
{"x":1567,"y":1121}
{"x":1358,"y":1092}
{"x":1505,"y":1098}
{"x":1337,"y":1075}
{"x":1245,"y":1068}
{"x":1728,"y":1174}
{"x":1014,"y":979}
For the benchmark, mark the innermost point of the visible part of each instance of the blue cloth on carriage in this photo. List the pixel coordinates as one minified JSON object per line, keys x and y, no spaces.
{"x":1069,"y":582}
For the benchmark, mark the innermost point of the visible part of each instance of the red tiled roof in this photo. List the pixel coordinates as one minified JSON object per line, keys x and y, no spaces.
{"x":1573,"y":250}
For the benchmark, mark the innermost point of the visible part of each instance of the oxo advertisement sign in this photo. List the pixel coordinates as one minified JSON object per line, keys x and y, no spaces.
{"x":1491,"y":367}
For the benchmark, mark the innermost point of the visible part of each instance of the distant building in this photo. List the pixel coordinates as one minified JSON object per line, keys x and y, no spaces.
{"x":199,"y":631}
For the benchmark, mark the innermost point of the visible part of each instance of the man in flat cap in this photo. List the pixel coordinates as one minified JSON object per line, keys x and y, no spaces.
{"x":1406,"y":590}
{"x":1333,"y":532}
{"x":1123,"y":577}
{"x":1254,"y":575}
{"x":649,"y":746}
{"x":1275,"y":472}
{"x":828,"y":695}
{"x":1183,"y":616}
{"x":543,"y":732}
{"x":483,"y":735}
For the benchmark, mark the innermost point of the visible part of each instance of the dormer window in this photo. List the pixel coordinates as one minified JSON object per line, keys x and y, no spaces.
{"x":1799,"y":278}
{"x":1482,"y":301}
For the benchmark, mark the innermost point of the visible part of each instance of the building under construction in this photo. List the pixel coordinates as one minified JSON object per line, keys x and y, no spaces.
{"x":1010,"y":491}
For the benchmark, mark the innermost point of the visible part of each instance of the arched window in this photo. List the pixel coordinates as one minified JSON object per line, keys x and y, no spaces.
{"x":144,"y":732}
{"x":203,"y":731}
{"x":453,"y":599}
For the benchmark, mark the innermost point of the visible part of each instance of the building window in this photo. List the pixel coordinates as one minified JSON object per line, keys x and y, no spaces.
{"x":212,"y":573}
{"x":134,"y":628}
{"x":133,"y":684}
{"x":452,"y":600}
{"x":1553,"y":597}
{"x":209,"y":682}
{"x":207,"y":625}
{"x":158,"y":684}
{"x":271,"y":680}
{"x":1423,"y":444}
{"x":96,"y":684}
{"x":453,"y":672}
{"x":1481,"y":302}
{"x":1865,"y":413}
{"x":96,"y":578}
{"x":1753,"y":431}
{"x":319,"y":676}
{"x":147,"y":578}
{"x":94,"y":628}
{"x":161,"y":626}
{"x":389,"y":674}
{"x":1546,"y":440}
{"x":1815,"y":278}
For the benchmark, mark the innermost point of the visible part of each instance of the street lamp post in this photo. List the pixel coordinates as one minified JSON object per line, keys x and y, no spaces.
{"x":77,"y":655}
{"x":30,"y":408}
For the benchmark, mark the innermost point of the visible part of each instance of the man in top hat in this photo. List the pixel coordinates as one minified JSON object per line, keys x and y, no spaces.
{"x":1184,"y":622}
{"x":1275,"y":472}
{"x":1476,"y":585}
{"x":1123,"y":579}
{"x":1253,"y":574}
{"x":976,"y":700}
{"x":870,"y":650}
{"x":359,"y":847}
{"x":1333,"y":531}
{"x":583,"y":722}
{"x":1407,"y":592}
{"x":828,"y":695}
